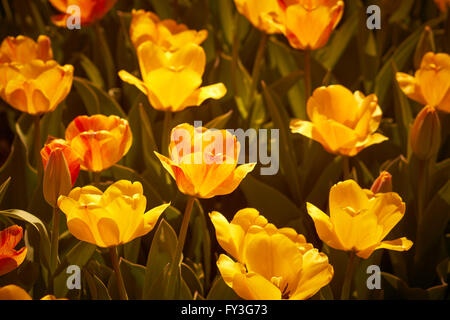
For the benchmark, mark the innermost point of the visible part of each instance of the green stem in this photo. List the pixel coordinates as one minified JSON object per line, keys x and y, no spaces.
{"x":259,"y":59}
{"x":167,"y":127}
{"x":37,"y":146}
{"x":107,"y":56}
{"x":96,"y":177}
{"x":421,"y":189}
{"x":115,"y":262}
{"x":235,"y":56}
{"x":54,"y":249}
{"x":307,"y":66}
{"x":184,"y":228}
{"x":346,"y":287}
{"x":346,"y":167}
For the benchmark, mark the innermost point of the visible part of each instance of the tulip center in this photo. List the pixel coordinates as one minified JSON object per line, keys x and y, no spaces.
{"x":282,"y":285}
{"x":351,"y":211}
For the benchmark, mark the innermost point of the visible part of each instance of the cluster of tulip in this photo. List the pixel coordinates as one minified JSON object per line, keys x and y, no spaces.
{"x":261,"y":260}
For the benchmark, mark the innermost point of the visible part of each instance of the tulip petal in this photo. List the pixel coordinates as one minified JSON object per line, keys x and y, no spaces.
{"x":401,"y":244}
{"x":13,"y":292}
{"x":347,"y":194}
{"x":109,"y":232}
{"x":129,"y":78}
{"x":316,"y":273}
{"x":409,"y":85}
{"x":214,"y":91}
{"x":324,"y":227}
{"x":389,"y":209}
{"x":247,"y":286}
{"x":229,"y":235}
{"x":80,"y":230}
{"x":232,"y":182}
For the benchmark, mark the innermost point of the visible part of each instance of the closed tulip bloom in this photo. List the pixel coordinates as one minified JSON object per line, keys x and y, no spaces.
{"x":171,"y":80}
{"x":36,"y":87}
{"x":263,"y":14}
{"x":359,"y":220}
{"x":112,"y":218}
{"x":342,"y":122}
{"x":308,"y":23}
{"x":90,"y":10}
{"x":204,"y":162}
{"x":271,"y":263}
{"x":431,"y":83}
{"x":10,"y":258}
{"x":99,"y":140}
{"x":146,"y":26}
{"x":22,"y":49}
{"x":383,"y":183}
{"x":71,"y":157}
{"x":425,"y":135}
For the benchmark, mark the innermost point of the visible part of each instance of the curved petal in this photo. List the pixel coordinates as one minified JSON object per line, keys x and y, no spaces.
{"x":324,"y":227}
{"x":130,"y":79}
{"x":80,"y":230}
{"x":232,"y":182}
{"x":13,"y":292}
{"x":409,"y":85}
{"x":229,"y":235}
{"x":214,"y":91}
{"x":401,"y":244}
{"x":109,"y":232}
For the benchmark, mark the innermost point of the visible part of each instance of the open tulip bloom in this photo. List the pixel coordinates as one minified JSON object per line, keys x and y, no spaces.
{"x":109,"y":218}
{"x":359,"y":220}
{"x":342,"y":122}
{"x":263,"y":14}
{"x":204,"y":162}
{"x":90,"y":11}
{"x":271,"y":263}
{"x":431,"y":83}
{"x":10,"y":258}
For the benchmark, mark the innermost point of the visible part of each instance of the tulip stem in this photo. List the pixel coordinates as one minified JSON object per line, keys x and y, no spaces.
{"x":346,"y":167}
{"x":166,"y":132}
{"x":119,"y":279}
{"x":96,"y":177}
{"x":37,"y":146}
{"x":184,"y":228}
{"x":54,"y":248}
{"x":259,"y":59}
{"x":346,"y":287}
{"x":307,"y":67}
{"x":107,"y":56}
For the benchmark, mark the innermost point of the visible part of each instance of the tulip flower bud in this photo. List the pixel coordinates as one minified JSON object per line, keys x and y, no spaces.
{"x":56,"y":177}
{"x":425,"y":133}
{"x":383,"y":183}
{"x":425,"y":45}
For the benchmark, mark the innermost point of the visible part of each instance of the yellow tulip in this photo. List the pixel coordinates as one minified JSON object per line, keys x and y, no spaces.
{"x":431,"y":83}
{"x":22,"y":49}
{"x":342,"y":122}
{"x":171,"y":80}
{"x":108,"y":219}
{"x":359,"y":219}
{"x":90,"y":11}
{"x":425,"y":135}
{"x":263,"y":14}
{"x":271,"y":263}
{"x":100,"y":141}
{"x":308,"y":23}
{"x":204,"y":162}
{"x":146,"y":26}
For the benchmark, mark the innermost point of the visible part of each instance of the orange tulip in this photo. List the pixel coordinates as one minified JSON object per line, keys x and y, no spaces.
{"x":22,"y":49}
{"x":431,"y":83}
{"x":425,"y":134}
{"x":204,"y":162}
{"x":308,"y":23}
{"x":383,"y":183}
{"x":167,"y":34}
{"x":90,"y":10}
{"x":71,"y":157}
{"x":13,"y":292}
{"x":10,"y":259}
{"x":442,"y":4}
{"x":100,"y":141}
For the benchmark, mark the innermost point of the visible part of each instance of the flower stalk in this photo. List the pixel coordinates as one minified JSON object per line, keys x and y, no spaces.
{"x":115,"y":262}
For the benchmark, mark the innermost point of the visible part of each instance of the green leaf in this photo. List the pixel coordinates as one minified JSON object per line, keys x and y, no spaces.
{"x":288,"y":161}
{"x":92,"y":71}
{"x":220,"y":291}
{"x":96,"y":100}
{"x":44,"y":244}
{"x":3,"y":188}
{"x":162,"y":253}
{"x":133,"y":276}
{"x":97,"y":288}
{"x":220,"y":121}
